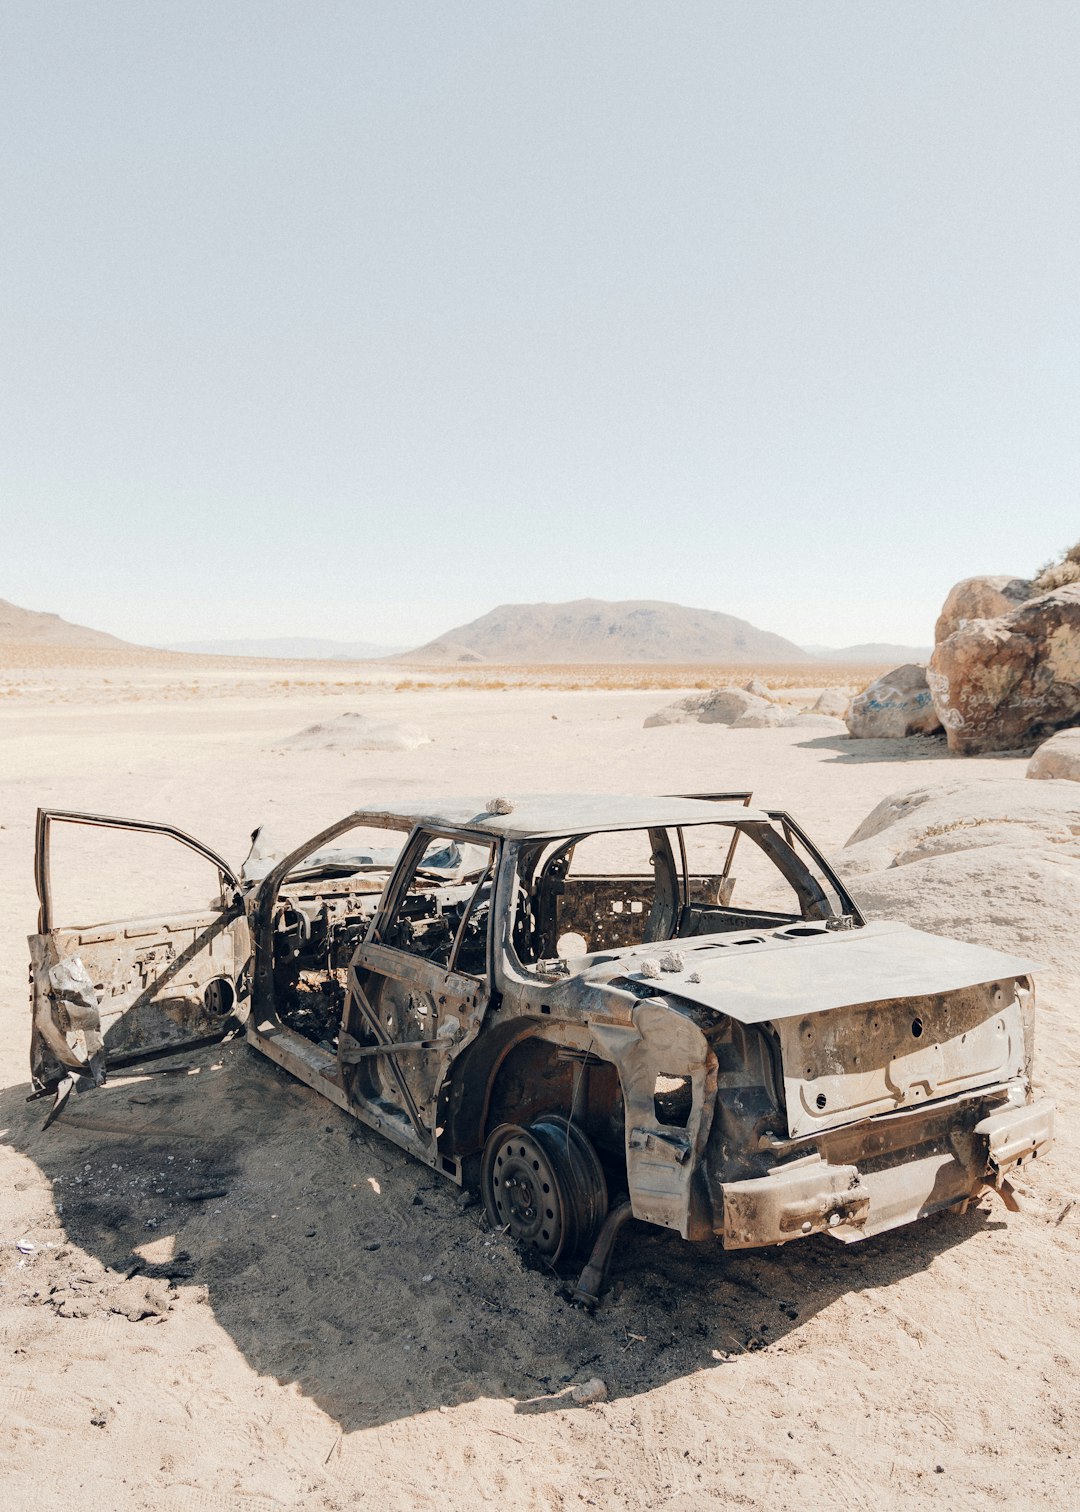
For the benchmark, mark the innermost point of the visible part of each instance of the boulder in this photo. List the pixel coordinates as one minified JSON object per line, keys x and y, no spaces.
{"x":1002,"y":683}
{"x":980,"y":598}
{"x":833,"y":702}
{"x":769,"y":718}
{"x":992,"y":860}
{"x":720,"y":706}
{"x":682,"y":711}
{"x":897,"y":704}
{"x":1057,"y":757}
{"x":741,"y":710}
{"x":806,"y":719}
{"x":758,"y":688}
{"x":726,"y":705}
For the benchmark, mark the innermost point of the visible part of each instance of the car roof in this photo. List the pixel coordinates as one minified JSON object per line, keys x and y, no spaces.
{"x":538,"y":816}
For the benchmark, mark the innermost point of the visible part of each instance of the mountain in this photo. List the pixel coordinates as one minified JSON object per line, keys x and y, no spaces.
{"x":872,"y":651}
{"x":291,"y":648}
{"x":30,"y":627}
{"x":598,"y":630}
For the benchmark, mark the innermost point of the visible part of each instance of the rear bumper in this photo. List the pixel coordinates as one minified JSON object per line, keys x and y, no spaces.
{"x":1016,"y":1135}
{"x":805,"y":1196}
{"x":812,"y":1194}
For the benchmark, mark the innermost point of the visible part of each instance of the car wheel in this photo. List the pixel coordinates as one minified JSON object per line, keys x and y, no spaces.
{"x":543,"y":1184}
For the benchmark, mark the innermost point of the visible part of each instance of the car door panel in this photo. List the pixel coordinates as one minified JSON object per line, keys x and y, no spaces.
{"x":116,"y":993}
{"x":408,"y":1016}
{"x":412,"y":1001}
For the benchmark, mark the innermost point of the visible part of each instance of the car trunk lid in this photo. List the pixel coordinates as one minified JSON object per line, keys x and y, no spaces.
{"x":851,"y":1063}
{"x":869,"y":1020}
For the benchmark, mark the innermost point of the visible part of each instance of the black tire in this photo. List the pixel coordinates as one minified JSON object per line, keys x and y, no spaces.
{"x":544,"y":1185}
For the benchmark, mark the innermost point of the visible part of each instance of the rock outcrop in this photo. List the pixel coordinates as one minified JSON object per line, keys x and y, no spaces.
{"x":1057,"y":757}
{"x":740,"y":710}
{"x":720,"y":706}
{"x":998,"y":684}
{"x":991,"y":860}
{"x":897,"y":704}
{"x":980,"y":598}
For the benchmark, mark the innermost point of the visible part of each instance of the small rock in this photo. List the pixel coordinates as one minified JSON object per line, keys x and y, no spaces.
{"x":588,"y":1393}
{"x":73,"y":1307}
{"x":672,"y":961}
{"x":649,"y":969}
{"x":499,"y":806}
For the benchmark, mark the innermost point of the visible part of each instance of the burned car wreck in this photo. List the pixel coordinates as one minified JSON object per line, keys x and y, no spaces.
{"x":588,"y":1007}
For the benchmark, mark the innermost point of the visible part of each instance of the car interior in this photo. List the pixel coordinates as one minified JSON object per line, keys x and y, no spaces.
{"x":576,"y":895}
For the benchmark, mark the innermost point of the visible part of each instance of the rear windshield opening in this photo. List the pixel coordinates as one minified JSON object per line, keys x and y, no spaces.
{"x":611,"y":890}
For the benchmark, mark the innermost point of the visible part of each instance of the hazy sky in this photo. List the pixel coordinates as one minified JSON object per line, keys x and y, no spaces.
{"x":357,"y":319}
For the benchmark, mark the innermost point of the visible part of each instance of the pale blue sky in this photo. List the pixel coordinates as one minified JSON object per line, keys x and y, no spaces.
{"x":355,"y":319}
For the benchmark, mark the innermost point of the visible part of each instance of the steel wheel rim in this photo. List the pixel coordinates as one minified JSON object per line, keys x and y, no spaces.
{"x":522,"y":1191}
{"x":544,"y":1185}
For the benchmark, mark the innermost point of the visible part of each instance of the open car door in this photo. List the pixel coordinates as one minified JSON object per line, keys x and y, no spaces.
{"x":112,"y":994}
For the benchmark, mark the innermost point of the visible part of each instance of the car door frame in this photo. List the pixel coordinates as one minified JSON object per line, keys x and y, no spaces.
{"x":42,"y":993}
{"x":451,"y":993}
{"x":309,"y":1062}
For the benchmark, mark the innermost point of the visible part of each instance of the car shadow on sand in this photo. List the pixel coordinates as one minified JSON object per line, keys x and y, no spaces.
{"x":336,"y":1262}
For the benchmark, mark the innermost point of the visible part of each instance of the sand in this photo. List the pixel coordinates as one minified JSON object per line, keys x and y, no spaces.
{"x":337,"y":1330}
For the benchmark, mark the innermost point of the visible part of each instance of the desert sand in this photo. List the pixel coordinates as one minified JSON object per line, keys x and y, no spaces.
{"x":336,"y":1329}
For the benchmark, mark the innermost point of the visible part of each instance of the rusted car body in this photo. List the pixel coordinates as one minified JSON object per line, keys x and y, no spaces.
{"x":592,"y":1007}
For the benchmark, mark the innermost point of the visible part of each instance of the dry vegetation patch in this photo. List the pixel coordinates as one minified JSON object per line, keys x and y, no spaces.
{"x":96,"y":674}
{"x":1059,"y":572}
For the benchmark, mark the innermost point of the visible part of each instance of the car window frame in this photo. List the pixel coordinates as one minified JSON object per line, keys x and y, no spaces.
{"x":411,"y":856}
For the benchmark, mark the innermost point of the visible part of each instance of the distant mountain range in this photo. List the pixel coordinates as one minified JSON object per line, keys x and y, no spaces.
{"x":32,"y":627}
{"x":873,"y":651}
{"x":290,"y":648}
{"x":598,"y":630}
{"x":582,"y":631}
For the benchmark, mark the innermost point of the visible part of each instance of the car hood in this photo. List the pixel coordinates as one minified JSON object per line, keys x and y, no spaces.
{"x":758,"y":976}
